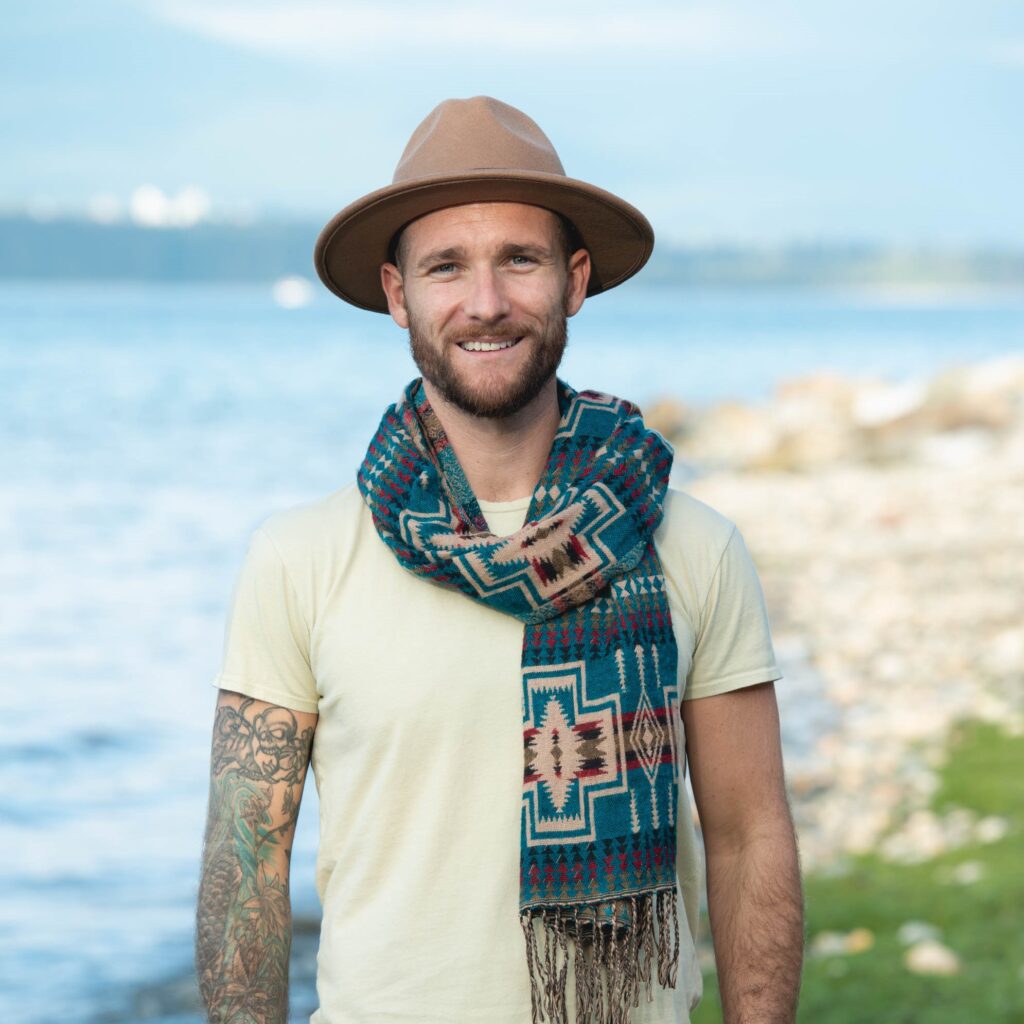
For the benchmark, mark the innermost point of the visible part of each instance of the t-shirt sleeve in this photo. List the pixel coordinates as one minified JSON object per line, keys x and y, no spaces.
{"x":266,"y":639}
{"x":733,"y":645}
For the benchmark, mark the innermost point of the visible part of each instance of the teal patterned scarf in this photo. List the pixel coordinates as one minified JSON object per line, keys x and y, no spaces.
{"x":600,"y":696}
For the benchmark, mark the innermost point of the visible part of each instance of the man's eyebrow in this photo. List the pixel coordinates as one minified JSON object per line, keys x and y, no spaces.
{"x":440,"y":256}
{"x":524,"y":249}
{"x":506,"y":250}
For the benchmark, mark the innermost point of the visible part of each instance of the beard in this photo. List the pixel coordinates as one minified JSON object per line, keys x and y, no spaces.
{"x":499,"y":398}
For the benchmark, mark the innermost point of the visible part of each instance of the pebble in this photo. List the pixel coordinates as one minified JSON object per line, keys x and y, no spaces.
{"x":991,"y":829}
{"x":968,"y":873}
{"x":931,"y":957}
{"x":913,"y":932}
{"x":860,"y":940}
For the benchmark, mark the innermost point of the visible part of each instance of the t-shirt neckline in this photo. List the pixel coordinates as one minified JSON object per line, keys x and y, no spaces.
{"x":515,"y":505}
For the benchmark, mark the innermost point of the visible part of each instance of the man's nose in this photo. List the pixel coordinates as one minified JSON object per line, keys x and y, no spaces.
{"x":486,"y":298}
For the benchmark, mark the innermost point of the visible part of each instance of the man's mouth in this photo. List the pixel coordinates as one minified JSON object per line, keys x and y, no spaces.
{"x":489,"y":346}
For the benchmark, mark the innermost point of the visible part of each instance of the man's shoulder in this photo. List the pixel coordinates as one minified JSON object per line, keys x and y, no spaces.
{"x":312,"y":529}
{"x":691,"y":542}
{"x":691,"y":525}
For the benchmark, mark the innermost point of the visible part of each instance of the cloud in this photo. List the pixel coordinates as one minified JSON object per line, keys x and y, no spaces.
{"x":325,"y":31}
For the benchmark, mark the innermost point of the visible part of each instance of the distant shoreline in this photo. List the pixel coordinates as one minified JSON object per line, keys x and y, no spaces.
{"x":72,"y":249}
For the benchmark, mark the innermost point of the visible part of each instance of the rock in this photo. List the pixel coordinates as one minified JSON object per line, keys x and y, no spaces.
{"x":860,"y":940}
{"x":912,"y":933}
{"x":931,"y":957}
{"x":987,"y":395}
{"x":823,"y":419}
{"x":991,"y":829}
{"x":811,"y":422}
{"x":814,"y":394}
{"x":921,"y":838}
{"x":959,"y":827}
{"x":877,"y":404}
{"x":842,"y":943}
{"x":730,"y":434}
{"x":670,"y":417}
{"x":828,"y":944}
{"x":1003,"y":375}
{"x":968,"y":873}
{"x":1004,"y":652}
{"x":804,"y":449}
{"x":955,"y":447}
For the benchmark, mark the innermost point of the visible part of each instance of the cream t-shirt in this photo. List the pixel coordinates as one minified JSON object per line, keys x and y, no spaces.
{"x":418,"y":751}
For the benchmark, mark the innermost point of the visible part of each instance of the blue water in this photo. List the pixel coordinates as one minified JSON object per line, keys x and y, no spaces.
{"x":143,"y":433}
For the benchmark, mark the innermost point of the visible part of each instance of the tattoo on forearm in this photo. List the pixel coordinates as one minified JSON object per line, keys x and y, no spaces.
{"x":243,"y":925}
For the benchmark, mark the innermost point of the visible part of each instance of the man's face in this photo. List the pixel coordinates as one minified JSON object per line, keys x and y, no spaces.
{"x":484,"y":290}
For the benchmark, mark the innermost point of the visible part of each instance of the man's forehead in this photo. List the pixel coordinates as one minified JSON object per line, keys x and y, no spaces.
{"x":479,"y":219}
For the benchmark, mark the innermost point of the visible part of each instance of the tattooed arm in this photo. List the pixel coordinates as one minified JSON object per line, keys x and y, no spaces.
{"x":243,"y":925}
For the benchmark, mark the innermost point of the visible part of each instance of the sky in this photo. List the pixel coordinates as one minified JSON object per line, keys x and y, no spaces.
{"x":752,"y":121}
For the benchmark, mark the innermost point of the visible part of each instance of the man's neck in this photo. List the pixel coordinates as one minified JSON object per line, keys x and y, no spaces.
{"x":502,"y":458}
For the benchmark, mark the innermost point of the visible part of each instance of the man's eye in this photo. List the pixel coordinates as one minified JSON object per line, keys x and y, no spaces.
{"x":520,"y":260}
{"x":443,"y":268}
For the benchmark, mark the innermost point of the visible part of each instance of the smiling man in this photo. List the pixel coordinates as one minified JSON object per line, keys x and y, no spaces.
{"x":501,"y":648}
{"x":477,"y":314}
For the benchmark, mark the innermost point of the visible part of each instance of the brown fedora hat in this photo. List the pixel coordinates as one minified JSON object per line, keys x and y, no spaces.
{"x":472,"y":151}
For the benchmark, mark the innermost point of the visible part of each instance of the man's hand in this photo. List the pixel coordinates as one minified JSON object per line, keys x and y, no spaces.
{"x":755,"y":902}
{"x":243,"y":924}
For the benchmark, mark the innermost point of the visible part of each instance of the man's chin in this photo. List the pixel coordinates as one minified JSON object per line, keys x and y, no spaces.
{"x":491,"y":388}
{"x":497,"y":402}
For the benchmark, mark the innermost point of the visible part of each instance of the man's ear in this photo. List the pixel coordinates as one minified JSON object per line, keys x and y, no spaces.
{"x":394,"y":289}
{"x":578,"y":279}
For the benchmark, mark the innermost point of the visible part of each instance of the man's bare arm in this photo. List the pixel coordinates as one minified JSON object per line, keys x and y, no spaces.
{"x":243,"y":924}
{"x":755,"y":900}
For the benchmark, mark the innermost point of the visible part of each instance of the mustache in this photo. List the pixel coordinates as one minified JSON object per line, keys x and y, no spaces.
{"x":504,"y":332}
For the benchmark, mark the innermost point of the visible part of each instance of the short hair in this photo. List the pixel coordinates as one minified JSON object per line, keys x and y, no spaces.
{"x":567,"y":237}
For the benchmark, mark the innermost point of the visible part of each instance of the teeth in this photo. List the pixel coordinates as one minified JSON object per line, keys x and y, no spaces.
{"x":487,"y":346}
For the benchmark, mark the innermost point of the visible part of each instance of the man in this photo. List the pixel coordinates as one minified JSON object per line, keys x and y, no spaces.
{"x":508,"y":638}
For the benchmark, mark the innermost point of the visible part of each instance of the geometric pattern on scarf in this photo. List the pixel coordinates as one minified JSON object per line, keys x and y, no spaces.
{"x":600,"y":699}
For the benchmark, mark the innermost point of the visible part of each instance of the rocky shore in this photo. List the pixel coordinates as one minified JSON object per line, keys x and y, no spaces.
{"x":887,"y":523}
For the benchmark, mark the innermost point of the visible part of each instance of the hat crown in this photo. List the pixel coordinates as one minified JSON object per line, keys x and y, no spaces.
{"x":480,"y":133}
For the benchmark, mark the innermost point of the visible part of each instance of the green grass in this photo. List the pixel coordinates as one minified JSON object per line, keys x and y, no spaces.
{"x":982,"y":922}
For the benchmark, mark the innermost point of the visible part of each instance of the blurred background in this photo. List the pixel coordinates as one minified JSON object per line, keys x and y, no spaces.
{"x":831,"y":331}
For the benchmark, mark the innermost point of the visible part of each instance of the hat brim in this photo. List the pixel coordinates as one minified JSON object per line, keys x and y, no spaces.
{"x":354,"y":243}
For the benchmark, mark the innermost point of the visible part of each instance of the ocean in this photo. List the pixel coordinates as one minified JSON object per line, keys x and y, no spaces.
{"x":144,"y":432}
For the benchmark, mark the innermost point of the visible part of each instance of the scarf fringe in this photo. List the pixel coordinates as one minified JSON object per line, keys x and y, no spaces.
{"x":611,"y":962}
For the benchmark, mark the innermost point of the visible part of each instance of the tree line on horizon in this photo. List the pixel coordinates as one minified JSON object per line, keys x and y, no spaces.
{"x":79,"y":249}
